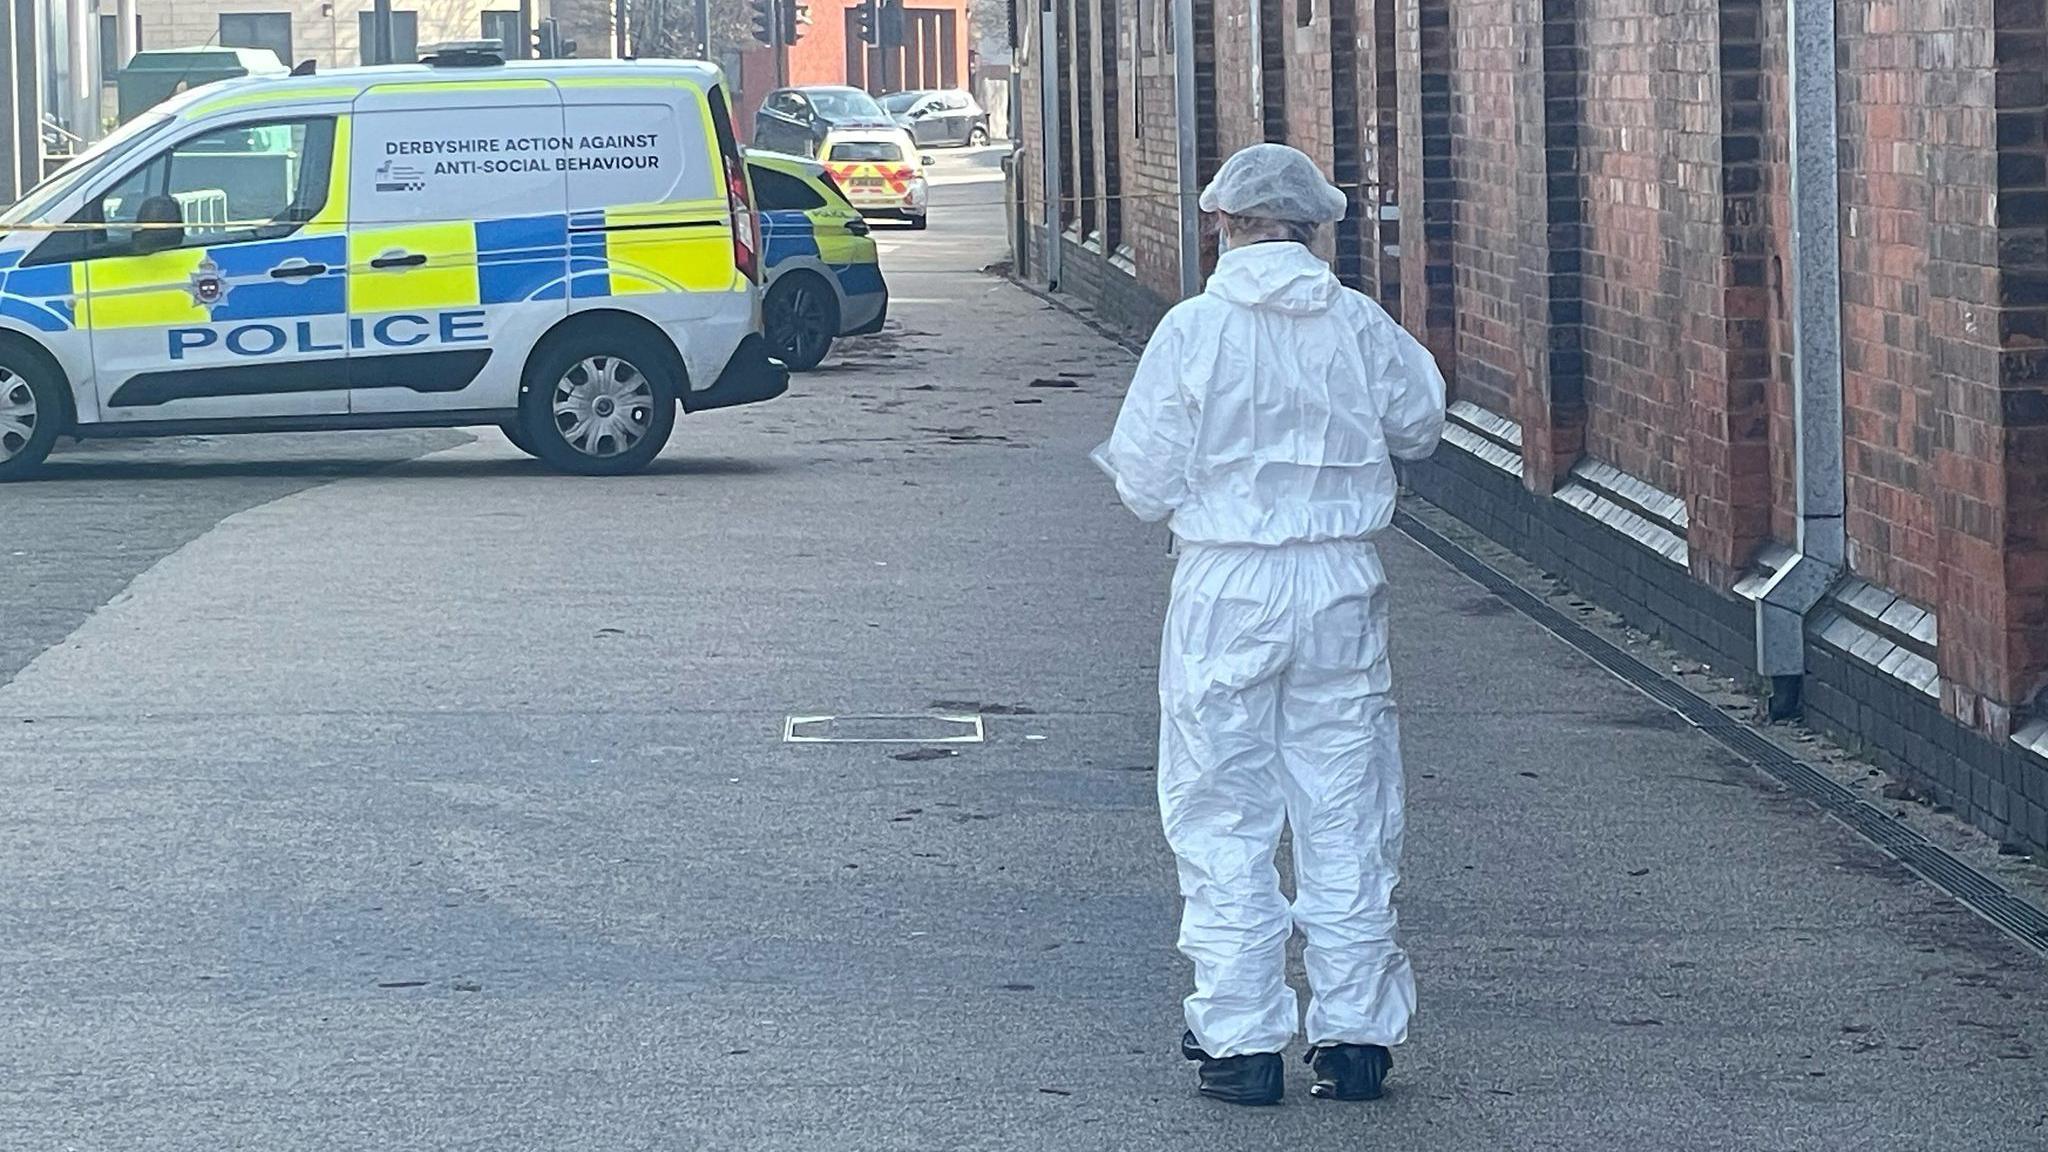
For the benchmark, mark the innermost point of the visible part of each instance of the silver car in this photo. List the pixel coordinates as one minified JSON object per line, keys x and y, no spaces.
{"x":939,"y":118}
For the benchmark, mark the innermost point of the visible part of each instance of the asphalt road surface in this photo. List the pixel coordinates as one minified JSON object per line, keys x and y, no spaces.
{"x":389,"y":792}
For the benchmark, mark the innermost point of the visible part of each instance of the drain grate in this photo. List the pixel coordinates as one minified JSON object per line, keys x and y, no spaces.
{"x":1976,"y":891}
{"x":883,"y":729}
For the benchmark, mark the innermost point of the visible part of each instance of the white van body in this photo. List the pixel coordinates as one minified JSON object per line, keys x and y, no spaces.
{"x":436,"y":244}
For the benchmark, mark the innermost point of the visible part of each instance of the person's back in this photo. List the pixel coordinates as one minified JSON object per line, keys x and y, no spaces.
{"x":1263,"y":420}
{"x":1273,"y":403}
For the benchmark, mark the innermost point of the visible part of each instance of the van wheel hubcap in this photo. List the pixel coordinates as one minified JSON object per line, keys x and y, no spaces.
{"x":602,"y":406}
{"x":18,"y":414}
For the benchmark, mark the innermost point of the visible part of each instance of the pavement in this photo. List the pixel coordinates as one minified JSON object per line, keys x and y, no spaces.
{"x":389,"y":792}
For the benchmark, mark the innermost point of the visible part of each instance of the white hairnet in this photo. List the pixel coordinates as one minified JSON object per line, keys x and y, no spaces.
{"x":1274,"y":182}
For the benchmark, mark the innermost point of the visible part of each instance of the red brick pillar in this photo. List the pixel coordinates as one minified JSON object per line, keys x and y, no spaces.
{"x":1550,"y":390}
{"x":1727,"y":354}
{"x":1991,"y":366}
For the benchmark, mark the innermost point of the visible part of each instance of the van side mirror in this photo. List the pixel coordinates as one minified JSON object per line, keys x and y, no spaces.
{"x":160,"y":225}
{"x":927,"y":160}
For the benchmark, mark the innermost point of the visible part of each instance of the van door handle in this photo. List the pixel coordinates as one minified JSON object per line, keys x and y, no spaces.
{"x":858,"y":227}
{"x":399,"y":260}
{"x":297,"y":271}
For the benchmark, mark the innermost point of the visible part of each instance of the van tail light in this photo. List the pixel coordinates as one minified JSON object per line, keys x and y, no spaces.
{"x":746,"y":224}
{"x":746,"y":227}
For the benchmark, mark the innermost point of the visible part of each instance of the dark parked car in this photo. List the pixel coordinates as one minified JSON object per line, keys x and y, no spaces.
{"x":795,"y":121}
{"x":939,"y":118}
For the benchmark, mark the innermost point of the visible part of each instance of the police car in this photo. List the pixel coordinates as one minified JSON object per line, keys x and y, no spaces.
{"x":567,"y":249}
{"x":824,"y":277}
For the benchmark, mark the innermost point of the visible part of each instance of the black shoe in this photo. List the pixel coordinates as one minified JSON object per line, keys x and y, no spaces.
{"x":1348,"y":1071}
{"x":1254,"y":1080}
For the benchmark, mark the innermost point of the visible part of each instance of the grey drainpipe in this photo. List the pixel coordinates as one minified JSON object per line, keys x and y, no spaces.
{"x":1817,"y":359}
{"x":1184,"y":113}
{"x":1049,"y":129}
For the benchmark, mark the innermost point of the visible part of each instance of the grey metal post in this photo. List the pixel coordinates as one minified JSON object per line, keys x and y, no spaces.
{"x":1185,"y":140}
{"x":124,"y":34}
{"x":704,"y":29}
{"x":1049,"y":130}
{"x":619,"y":15}
{"x":81,"y":95}
{"x":10,"y":96}
{"x":26,"y":124}
{"x":1817,"y":351}
{"x":380,"y":24}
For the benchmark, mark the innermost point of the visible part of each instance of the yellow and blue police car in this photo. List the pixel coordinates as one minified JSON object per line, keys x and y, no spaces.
{"x":567,"y":249}
{"x":824,"y":277}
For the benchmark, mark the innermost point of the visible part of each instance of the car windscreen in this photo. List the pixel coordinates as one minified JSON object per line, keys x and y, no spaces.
{"x":901,"y":101}
{"x":867,"y":151}
{"x":844,"y":104}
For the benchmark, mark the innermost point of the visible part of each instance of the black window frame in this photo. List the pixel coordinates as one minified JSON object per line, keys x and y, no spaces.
{"x":225,"y":40}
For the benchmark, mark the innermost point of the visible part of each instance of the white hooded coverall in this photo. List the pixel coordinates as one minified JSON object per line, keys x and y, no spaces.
{"x":1261,"y":421}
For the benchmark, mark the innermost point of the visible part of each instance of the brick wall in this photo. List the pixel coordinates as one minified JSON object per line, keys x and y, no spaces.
{"x":1633,"y":304}
{"x":1483,"y":163}
{"x":1594,"y":239}
{"x":1888,"y":403}
{"x":1152,"y":162}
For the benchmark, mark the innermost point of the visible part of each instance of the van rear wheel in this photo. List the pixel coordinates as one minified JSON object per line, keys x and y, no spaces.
{"x":598,"y":402}
{"x":31,"y":412}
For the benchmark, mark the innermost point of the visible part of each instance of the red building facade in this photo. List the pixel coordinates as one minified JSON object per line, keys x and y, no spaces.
{"x":933,"y":54}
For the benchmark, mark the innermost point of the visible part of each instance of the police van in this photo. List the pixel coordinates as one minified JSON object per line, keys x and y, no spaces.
{"x":566,"y":249}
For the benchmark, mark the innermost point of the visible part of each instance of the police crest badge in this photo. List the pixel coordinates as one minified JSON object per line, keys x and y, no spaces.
{"x":208,"y":287}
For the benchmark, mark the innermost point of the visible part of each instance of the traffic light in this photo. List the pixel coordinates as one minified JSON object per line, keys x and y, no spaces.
{"x":548,"y":43}
{"x":870,"y":16}
{"x":795,"y":17}
{"x":764,"y":21}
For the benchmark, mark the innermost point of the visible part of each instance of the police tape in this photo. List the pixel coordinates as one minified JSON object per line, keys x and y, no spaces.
{"x":339,"y":227}
{"x":419,"y":222}
{"x":333,"y":226}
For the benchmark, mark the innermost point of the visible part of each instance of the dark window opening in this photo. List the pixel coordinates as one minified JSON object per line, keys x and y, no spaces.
{"x":1349,"y":149}
{"x":405,"y":37}
{"x":1112,"y":136}
{"x":1273,"y":68}
{"x":272,"y":30}
{"x":1063,"y":41}
{"x":1385,"y":163}
{"x":1084,"y":113}
{"x":504,"y":27}
{"x":110,"y":46}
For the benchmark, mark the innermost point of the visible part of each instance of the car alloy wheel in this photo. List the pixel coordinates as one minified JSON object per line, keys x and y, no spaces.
{"x":801,"y":322}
